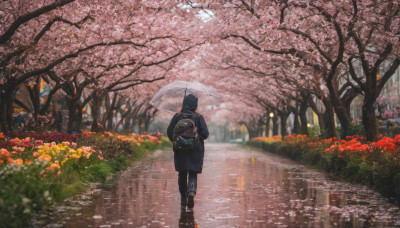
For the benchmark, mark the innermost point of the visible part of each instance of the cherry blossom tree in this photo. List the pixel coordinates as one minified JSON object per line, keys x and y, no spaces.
{"x":79,"y":36}
{"x":325,"y":36}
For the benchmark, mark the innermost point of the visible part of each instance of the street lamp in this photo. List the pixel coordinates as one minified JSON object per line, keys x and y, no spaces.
{"x":271,"y":114}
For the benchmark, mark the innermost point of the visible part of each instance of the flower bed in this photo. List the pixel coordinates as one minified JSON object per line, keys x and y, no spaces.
{"x":375,"y":164}
{"x":38,"y":169}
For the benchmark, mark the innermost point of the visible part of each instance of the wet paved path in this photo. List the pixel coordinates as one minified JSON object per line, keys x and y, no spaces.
{"x":238,"y":188}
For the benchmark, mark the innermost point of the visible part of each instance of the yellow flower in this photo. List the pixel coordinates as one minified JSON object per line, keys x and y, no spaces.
{"x":75,"y":156}
{"x":63,"y":162}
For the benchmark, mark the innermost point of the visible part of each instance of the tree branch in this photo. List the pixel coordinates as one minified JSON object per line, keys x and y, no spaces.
{"x":29,"y":16}
{"x":283,"y":51}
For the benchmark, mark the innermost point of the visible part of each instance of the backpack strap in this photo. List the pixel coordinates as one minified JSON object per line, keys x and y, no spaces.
{"x":179,"y":116}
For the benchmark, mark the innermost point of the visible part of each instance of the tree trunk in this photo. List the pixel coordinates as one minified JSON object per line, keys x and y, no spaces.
{"x":6,"y":105}
{"x":267,"y":126}
{"x":110,"y":113}
{"x":297,"y":126}
{"x":127,"y":124}
{"x":36,"y":97}
{"x":95,"y":113}
{"x":71,"y":115}
{"x":3,"y":114}
{"x":369,"y":119}
{"x":110,"y":118}
{"x":341,"y":112}
{"x":321,"y":119}
{"x":283,"y":117}
{"x":51,"y":96}
{"x":10,"y":110}
{"x":329,"y":120}
{"x":147,"y":121}
{"x":78,"y":121}
{"x":344,"y":119}
{"x":303,"y":117}
{"x":275,"y":125}
{"x":139,"y":122}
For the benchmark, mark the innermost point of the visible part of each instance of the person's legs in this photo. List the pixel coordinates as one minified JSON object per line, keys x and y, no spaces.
{"x":192,"y":187}
{"x":182,"y":182}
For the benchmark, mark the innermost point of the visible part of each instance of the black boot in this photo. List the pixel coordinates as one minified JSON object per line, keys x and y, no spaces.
{"x":190,"y":199}
{"x":183,"y":200}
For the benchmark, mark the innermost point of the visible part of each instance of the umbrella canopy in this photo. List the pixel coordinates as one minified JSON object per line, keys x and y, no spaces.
{"x":170,"y":97}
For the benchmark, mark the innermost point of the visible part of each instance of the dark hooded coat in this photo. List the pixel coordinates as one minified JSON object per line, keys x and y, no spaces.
{"x":191,"y":161}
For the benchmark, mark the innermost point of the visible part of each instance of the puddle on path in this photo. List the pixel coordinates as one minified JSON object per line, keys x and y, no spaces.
{"x":238,"y":188}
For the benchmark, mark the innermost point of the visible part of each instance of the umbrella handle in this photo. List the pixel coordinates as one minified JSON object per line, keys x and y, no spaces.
{"x":185,"y":90}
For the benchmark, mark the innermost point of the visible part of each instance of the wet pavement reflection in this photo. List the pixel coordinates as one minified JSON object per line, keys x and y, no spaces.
{"x":238,"y":188}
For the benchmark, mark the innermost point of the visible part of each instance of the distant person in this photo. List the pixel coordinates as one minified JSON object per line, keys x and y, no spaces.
{"x":188,"y":141}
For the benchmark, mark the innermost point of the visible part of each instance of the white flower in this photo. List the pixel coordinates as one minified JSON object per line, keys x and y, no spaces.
{"x":27,"y":211}
{"x":25,"y":200}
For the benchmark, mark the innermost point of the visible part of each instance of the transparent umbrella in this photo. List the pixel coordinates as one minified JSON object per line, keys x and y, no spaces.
{"x":170,"y":97}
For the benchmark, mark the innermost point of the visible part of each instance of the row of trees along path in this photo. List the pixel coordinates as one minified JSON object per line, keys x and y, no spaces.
{"x":263,"y":56}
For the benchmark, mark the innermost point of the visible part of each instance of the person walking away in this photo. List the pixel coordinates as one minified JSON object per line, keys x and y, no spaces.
{"x":188,"y":162}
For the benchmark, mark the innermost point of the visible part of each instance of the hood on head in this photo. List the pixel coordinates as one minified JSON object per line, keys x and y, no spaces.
{"x":189,"y":103}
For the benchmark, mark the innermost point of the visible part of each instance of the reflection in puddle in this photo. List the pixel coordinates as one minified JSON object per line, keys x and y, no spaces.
{"x":238,"y":188}
{"x":186,"y":220}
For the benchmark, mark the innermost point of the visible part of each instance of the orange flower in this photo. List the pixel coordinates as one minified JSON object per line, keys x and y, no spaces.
{"x":1,"y":135}
{"x":4,"y":152}
{"x":19,"y":161}
{"x":45,"y":157}
{"x":55,"y":166}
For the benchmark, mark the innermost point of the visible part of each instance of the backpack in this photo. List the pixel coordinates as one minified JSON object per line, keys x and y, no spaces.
{"x":185,"y":134}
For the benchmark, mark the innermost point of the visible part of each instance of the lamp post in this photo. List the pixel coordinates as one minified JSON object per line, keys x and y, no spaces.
{"x":271,"y":117}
